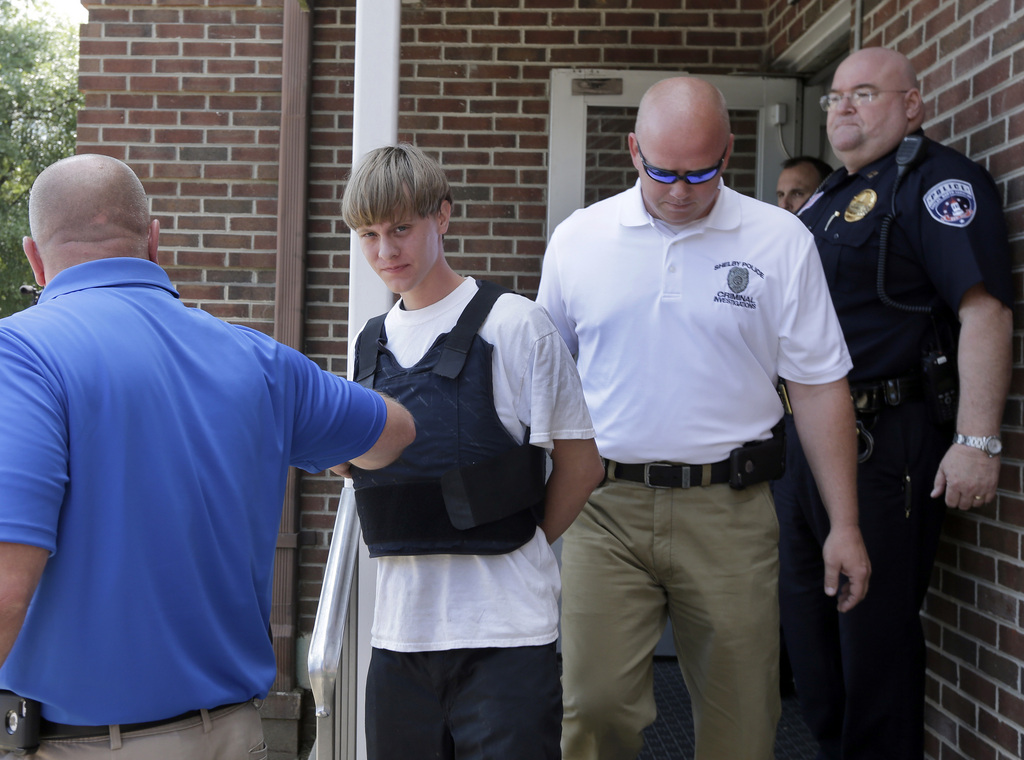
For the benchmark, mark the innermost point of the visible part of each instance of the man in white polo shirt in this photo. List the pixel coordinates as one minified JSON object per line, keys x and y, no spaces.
{"x":685,"y":303}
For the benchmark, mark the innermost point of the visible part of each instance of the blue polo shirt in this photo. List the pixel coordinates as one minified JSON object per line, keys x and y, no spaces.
{"x":146,"y":445}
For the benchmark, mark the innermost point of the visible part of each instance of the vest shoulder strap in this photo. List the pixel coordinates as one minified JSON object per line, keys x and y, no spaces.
{"x":459,"y":340}
{"x":367,"y":350}
{"x":456,"y":345}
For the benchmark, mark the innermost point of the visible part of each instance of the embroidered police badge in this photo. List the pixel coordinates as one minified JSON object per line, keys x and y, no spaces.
{"x":951,"y":202}
{"x":738,"y":279}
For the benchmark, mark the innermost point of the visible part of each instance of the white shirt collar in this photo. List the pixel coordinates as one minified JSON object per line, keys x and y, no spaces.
{"x":724,"y":215}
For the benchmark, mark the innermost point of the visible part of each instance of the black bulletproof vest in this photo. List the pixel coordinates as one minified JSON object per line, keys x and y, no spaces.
{"x":464,"y":486}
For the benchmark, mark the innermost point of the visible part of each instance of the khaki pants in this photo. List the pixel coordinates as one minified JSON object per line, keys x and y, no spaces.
{"x":229,"y":733}
{"x":708,"y":559}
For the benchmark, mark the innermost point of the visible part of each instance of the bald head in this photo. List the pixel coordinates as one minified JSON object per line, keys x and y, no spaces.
{"x":889,"y":67}
{"x":686,"y":107}
{"x":680,"y":148}
{"x":862,"y":133}
{"x":88,"y":207}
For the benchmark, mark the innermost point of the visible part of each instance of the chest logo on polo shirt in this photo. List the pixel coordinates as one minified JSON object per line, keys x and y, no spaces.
{"x":737,"y":279}
{"x":951,"y":202}
{"x":861,"y":204}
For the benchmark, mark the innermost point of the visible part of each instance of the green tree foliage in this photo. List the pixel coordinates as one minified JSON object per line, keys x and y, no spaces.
{"x":39,"y":102}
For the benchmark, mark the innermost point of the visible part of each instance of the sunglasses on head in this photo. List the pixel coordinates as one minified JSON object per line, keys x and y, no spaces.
{"x":691,"y":178}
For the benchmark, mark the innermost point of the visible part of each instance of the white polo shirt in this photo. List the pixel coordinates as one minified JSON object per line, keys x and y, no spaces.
{"x":681,"y":336}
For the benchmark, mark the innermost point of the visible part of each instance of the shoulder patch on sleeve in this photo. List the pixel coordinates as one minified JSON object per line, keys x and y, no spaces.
{"x":951,"y":202}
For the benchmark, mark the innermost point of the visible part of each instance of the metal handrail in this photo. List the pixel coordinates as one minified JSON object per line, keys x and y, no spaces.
{"x":331,"y":619}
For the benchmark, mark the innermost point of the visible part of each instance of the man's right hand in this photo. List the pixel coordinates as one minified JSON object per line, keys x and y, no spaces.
{"x":845,"y":554}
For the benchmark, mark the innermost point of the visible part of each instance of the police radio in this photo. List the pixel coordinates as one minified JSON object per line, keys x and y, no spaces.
{"x":909,"y":154}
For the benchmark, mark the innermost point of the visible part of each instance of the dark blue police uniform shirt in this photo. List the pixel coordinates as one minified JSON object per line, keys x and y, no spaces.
{"x":949,"y":234}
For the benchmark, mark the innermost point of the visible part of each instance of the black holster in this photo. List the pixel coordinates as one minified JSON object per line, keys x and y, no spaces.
{"x":758,"y":461}
{"x":20,"y":732}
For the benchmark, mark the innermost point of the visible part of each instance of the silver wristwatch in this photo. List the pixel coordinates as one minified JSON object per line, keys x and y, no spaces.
{"x":990,"y":444}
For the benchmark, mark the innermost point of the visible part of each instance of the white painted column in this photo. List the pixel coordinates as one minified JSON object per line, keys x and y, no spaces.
{"x":374,"y":124}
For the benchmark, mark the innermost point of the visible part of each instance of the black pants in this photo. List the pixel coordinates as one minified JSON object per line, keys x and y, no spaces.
{"x":860,"y":675}
{"x":470,"y":704}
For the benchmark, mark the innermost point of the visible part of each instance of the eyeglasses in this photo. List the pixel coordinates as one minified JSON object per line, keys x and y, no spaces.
{"x":690,"y":178}
{"x":857,"y":98}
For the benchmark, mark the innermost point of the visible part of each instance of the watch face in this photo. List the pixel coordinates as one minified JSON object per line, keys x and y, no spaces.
{"x":993,"y":446}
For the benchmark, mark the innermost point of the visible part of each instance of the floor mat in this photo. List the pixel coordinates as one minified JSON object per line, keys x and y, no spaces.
{"x":670,"y":737}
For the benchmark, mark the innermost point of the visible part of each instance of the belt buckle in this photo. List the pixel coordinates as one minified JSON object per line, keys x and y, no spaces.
{"x":684,"y":475}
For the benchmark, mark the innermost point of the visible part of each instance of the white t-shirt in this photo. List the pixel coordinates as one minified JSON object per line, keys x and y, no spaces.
{"x":447,"y":601}
{"x":681,"y":335}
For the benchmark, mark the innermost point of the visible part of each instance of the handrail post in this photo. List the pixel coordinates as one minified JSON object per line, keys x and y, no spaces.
{"x":325,"y":646}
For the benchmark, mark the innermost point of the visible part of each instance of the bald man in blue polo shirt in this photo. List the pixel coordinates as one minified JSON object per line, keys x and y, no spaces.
{"x":143,"y":460}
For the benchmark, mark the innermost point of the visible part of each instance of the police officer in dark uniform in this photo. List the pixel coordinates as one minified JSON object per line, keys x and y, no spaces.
{"x":933,"y":319}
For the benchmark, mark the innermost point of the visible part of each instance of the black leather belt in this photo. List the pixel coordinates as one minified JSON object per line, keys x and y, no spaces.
{"x":48,"y":731}
{"x":664,"y":475}
{"x":869,"y":398}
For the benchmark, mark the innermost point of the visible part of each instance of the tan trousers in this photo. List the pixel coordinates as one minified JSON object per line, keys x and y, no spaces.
{"x":708,"y":559}
{"x":230,"y":733}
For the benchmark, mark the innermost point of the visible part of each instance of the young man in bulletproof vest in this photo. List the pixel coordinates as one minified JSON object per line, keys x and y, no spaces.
{"x":467,"y":584}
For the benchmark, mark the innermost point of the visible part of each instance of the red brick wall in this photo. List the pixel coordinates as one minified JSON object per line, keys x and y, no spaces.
{"x":188,"y":92}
